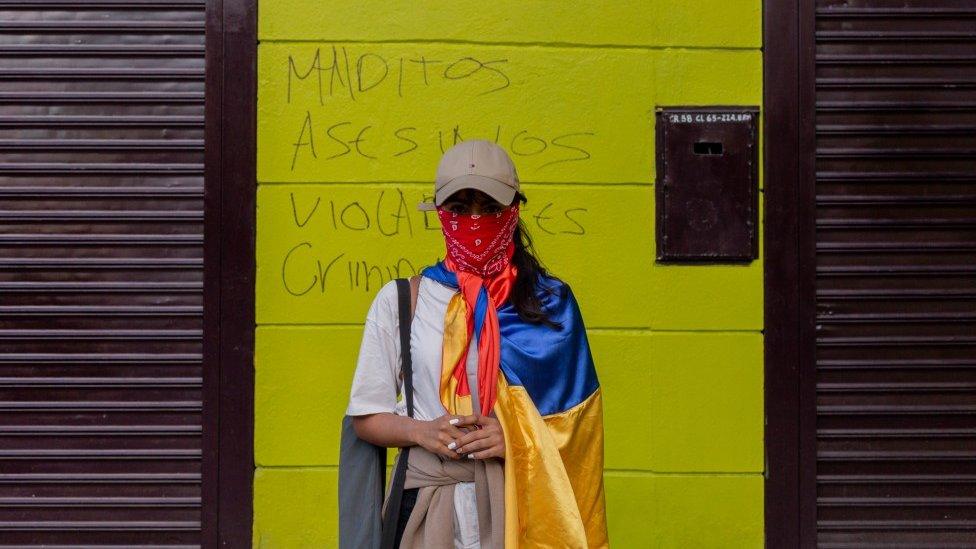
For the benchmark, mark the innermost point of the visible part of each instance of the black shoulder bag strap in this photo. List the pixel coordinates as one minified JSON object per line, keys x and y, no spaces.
{"x":392,"y":513}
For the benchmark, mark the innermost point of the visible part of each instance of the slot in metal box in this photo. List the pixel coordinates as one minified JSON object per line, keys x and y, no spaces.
{"x":707,"y":187}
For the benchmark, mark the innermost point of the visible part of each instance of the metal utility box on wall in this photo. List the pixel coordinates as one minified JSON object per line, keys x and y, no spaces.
{"x":707,"y":184}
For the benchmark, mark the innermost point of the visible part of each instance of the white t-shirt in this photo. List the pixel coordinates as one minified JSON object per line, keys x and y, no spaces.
{"x":377,"y":381}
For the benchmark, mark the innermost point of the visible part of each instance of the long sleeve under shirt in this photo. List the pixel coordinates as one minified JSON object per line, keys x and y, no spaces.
{"x":377,"y":380}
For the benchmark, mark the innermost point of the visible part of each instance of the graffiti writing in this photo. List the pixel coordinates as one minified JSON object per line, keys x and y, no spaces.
{"x":338,"y":74}
{"x":332,"y":140}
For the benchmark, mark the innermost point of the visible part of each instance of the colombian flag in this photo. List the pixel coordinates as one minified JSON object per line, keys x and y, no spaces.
{"x":550,"y":407}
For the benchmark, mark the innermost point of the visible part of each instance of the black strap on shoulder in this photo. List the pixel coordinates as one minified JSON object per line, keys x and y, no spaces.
{"x":392,"y":512}
{"x":403,"y":295}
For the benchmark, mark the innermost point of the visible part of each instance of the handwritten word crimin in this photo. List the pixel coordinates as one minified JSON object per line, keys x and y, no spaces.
{"x":304,"y":270}
{"x":344,"y":74}
{"x":344,"y":139}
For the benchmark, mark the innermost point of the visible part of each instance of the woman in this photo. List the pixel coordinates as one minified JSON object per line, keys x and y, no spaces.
{"x":507,"y":435}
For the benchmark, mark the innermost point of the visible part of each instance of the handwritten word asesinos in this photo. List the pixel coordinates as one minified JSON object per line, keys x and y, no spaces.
{"x":345,"y":140}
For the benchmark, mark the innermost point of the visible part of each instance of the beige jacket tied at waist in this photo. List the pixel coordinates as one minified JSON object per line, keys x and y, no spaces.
{"x":431,"y":523}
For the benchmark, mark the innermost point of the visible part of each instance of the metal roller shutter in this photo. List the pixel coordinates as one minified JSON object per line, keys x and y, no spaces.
{"x":896,"y":273}
{"x":101,"y":270}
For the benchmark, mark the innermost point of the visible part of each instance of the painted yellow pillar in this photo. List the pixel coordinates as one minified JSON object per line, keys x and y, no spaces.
{"x":356,"y":102}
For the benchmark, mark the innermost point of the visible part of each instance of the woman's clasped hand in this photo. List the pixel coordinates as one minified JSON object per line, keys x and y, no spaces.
{"x":452,"y":436}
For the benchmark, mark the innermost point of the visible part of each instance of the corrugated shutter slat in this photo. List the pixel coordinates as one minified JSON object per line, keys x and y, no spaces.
{"x":896,"y":273}
{"x":101,"y":272}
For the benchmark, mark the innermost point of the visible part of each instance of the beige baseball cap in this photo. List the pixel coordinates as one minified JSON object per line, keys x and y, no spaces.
{"x":475,"y":164}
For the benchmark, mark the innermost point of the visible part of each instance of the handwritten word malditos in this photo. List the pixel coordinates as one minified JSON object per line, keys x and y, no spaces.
{"x":343,"y":139}
{"x":340,"y":74}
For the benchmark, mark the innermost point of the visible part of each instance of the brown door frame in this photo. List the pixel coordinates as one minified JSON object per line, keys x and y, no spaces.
{"x":789,"y":269}
{"x":230,"y":174}
{"x":229,"y":238}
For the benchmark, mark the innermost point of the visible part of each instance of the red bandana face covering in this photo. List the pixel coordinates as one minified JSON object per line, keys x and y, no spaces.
{"x":480,"y":244}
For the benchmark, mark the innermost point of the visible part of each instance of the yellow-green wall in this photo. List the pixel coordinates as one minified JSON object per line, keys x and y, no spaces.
{"x":678,"y":349}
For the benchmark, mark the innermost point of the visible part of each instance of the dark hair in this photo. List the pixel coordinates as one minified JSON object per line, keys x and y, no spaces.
{"x":530,"y":271}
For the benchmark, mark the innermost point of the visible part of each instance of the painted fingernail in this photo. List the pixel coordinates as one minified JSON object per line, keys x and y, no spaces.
{"x":454,"y":421}
{"x":471,"y":456}
{"x":451,"y":445}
